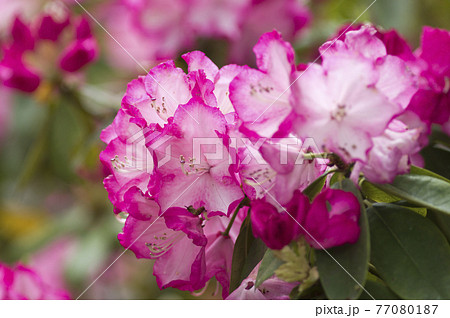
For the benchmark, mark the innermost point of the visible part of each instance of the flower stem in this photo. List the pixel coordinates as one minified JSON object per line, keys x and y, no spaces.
{"x":311,"y":156}
{"x":245,"y":202}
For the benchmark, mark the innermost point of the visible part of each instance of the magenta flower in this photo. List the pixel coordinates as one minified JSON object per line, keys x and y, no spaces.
{"x":15,"y":74}
{"x":432,"y":102}
{"x":50,"y":27}
{"x":277,"y":226}
{"x":82,"y":51}
{"x":29,"y":37}
{"x":332,"y":219}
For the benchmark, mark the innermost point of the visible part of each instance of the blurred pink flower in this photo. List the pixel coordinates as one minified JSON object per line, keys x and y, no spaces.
{"x":289,"y":17}
{"x":432,"y":102}
{"x":23,"y":64}
{"x":20,"y":282}
{"x":155,"y":30}
{"x":10,"y":9}
{"x":50,"y":262}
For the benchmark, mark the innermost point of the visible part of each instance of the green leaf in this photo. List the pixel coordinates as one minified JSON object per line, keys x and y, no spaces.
{"x":422,"y":190}
{"x":409,"y":252}
{"x":269,"y":265}
{"x":378,"y":289}
{"x":337,"y":177}
{"x":248,"y":252}
{"x":354,"y":258}
{"x":442,"y":221}
{"x":437,"y":154}
{"x":373,"y":193}
{"x":316,"y":186}
{"x":425,"y":172}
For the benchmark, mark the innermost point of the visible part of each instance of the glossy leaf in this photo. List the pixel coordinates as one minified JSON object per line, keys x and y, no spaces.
{"x":425,"y":172}
{"x":269,"y":265}
{"x":378,"y":289}
{"x":442,"y":221}
{"x":373,"y":193}
{"x":315,"y":187}
{"x":248,"y":252}
{"x":409,"y":252}
{"x":422,"y":190}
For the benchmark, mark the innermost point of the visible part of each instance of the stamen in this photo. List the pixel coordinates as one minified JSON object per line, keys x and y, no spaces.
{"x":192,"y":169}
{"x":339,"y":113}
{"x":164,"y":244}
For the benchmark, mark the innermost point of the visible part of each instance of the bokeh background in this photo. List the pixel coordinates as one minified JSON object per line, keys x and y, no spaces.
{"x":54,"y":212}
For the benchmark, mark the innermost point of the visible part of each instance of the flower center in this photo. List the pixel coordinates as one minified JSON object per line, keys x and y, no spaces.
{"x":339,"y":113}
{"x":189,"y":168}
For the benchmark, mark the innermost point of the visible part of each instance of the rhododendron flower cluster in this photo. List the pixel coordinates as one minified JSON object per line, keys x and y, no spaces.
{"x":155,"y":30}
{"x":193,"y":157}
{"x":36,"y":46}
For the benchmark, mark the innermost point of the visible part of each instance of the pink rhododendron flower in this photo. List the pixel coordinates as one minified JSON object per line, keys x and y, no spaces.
{"x":390,"y":155}
{"x":23,"y":64}
{"x":428,"y":94}
{"x":124,"y":172}
{"x":196,"y":238}
{"x":394,"y":43}
{"x":272,"y":288}
{"x":176,"y":196}
{"x":332,"y":219}
{"x":353,"y":94}
{"x":187,"y":179}
{"x":258,"y":95}
{"x":274,"y":168}
{"x":187,"y":149}
{"x":218,"y":18}
{"x":20,"y":282}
